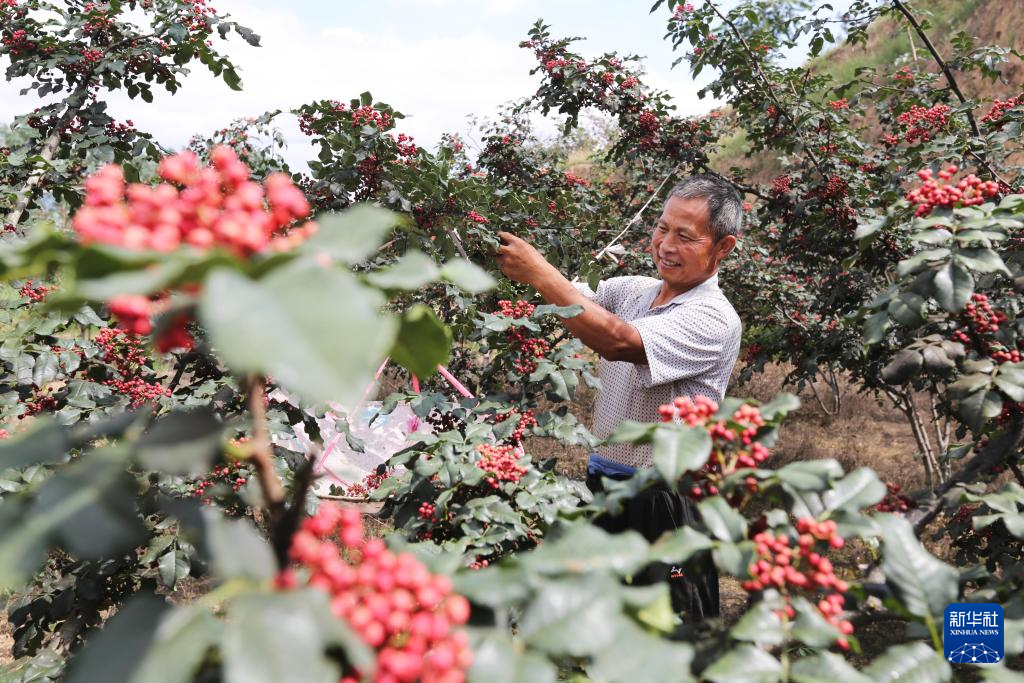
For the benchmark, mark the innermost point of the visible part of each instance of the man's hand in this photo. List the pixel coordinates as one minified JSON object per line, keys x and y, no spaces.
{"x":519,"y":261}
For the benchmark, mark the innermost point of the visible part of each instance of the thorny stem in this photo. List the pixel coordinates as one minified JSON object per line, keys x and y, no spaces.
{"x":262,"y":456}
{"x":769,"y":85}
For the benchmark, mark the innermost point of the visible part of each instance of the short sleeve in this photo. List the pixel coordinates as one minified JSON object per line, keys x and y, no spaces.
{"x":584,"y":289}
{"x":686,"y":342}
{"x":614,"y":292}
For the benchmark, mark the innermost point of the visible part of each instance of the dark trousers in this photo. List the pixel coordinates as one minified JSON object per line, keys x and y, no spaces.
{"x":693,"y":585}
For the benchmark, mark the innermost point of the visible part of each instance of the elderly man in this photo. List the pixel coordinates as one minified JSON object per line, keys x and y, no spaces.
{"x":658,"y":339}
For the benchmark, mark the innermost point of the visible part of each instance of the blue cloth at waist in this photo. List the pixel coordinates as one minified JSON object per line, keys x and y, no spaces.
{"x":598,"y":465}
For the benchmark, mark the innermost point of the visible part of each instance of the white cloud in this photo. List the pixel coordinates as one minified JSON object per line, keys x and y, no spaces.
{"x":435,"y":80}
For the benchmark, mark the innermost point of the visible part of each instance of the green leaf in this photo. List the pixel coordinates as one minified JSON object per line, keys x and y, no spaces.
{"x":722,"y":520}
{"x":635,"y":656}
{"x":677,"y":449}
{"x":981,"y":260}
{"x":231,"y":78}
{"x":182,"y":442}
{"x":410,"y":272}
{"x":44,"y":443}
{"x":759,"y":625}
{"x":280,"y":327}
{"x":913,"y":663}
{"x":825,"y":667}
{"x":576,"y":616}
{"x":497,"y":659}
{"x":467,"y":276}
{"x":903,"y":367}
{"x":980,"y":407}
{"x":810,"y":627}
{"x":182,"y":639}
{"x":236,"y":548}
{"x":679,"y":545}
{"x":856,"y":490}
{"x":809,"y":475}
{"x":630,"y":431}
{"x":270,"y":638}
{"x":586,"y":548}
{"x":350,"y":237}
{"x":923,"y":583}
{"x":907,"y":309}
{"x":115,"y":652}
{"x":423,"y":342}
{"x":744,"y":664}
{"x":782,"y":404}
{"x":875,"y":326}
{"x":953,"y":286}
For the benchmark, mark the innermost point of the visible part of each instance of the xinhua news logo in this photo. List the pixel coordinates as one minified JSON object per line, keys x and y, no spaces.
{"x":974,"y":633}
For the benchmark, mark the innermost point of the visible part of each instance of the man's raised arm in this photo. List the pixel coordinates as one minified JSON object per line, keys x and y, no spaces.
{"x":607,"y":334}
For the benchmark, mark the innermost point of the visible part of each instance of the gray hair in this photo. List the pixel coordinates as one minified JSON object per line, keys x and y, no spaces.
{"x":725,"y":210}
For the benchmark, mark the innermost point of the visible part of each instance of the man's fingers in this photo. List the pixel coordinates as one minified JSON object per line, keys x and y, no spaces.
{"x":507,"y":237}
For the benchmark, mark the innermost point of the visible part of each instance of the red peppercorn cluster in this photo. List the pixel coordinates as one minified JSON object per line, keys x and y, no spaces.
{"x":204,"y":207}
{"x":428,"y":512}
{"x":228,"y":475}
{"x":4,"y":434}
{"x":572,"y":179}
{"x":18,"y":43}
{"x":35,"y":293}
{"x":125,"y":354}
{"x":981,"y":323}
{"x":733,"y":446}
{"x":528,"y":348}
{"x":837,"y":105}
{"x":969,"y":191}
{"x":476,"y":218}
{"x":922,"y":122}
{"x":405,"y":145}
{"x":904,"y":75}
{"x":803,"y":569}
{"x":781,"y":184}
{"x":527,"y":419}
{"x":894,"y":500}
{"x":392,"y":601}
{"x":371,"y":482}
{"x":999,"y":109}
{"x":368,"y":116}
{"x":500,"y":463}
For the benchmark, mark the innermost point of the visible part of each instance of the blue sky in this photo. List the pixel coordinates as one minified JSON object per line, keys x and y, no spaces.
{"x":435,"y":60}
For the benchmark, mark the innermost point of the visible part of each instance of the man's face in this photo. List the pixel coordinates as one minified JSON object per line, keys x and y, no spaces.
{"x":684,"y":251}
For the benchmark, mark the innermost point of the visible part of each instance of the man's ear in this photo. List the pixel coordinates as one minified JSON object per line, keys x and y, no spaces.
{"x":724,"y":246}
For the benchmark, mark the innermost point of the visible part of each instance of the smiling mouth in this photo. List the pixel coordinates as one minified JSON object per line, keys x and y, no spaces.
{"x":668,"y":263}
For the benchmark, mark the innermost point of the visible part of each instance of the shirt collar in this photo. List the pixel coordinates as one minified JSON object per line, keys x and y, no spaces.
{"x":706,"y":287}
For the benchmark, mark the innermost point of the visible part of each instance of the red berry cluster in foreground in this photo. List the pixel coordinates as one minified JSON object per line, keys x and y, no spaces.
{"x":732,"y":441}
{"x":409,"y":616}
{"x":981,"y":323}
{"x":802,"y":569}
{"x":500,"y":463}
{"x":969,"y":191}
{"x":204,"y":207}
{"x":528,"y":348}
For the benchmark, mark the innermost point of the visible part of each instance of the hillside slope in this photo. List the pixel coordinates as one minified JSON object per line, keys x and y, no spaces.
{"x":989,"y":22}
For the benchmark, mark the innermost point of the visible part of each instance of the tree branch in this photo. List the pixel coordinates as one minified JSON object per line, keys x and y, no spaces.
{"x":898,"y":4}
{"x":993,"y":454}
{"x":769,"y":85}
{"x":262,"y":453}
